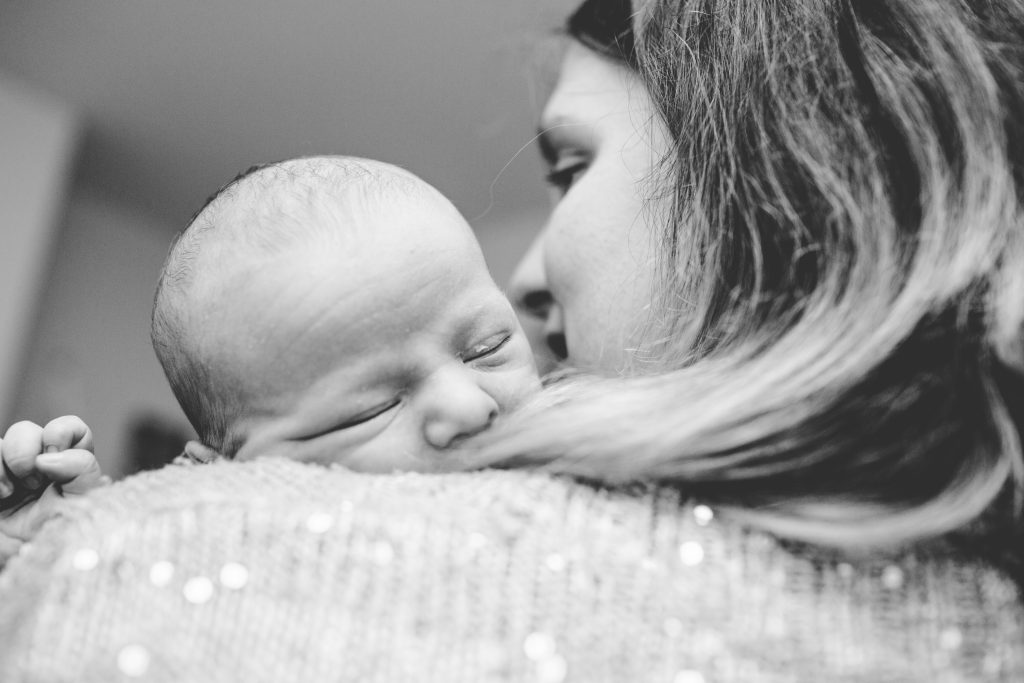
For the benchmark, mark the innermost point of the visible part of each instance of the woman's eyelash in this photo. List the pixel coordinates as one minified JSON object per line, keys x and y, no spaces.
{"x":562,"y":177}
{"x":484,"y":350}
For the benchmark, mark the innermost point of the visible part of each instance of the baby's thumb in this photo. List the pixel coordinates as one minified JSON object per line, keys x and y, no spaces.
{"x":75,"y":471}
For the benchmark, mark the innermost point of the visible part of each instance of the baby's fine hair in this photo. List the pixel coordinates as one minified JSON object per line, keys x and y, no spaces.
{"x":264,"y":211}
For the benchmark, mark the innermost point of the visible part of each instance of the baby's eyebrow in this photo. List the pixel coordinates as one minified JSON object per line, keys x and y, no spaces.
{"x":485,"y":321}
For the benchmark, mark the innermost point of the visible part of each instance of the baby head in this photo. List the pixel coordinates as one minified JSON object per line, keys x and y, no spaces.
{"x":337,"y":310}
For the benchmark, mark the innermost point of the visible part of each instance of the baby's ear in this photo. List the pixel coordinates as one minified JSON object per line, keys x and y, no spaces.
{"x":200,"y":454}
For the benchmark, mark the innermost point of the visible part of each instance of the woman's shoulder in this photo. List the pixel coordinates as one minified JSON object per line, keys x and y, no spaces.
{"x":243,"y":569}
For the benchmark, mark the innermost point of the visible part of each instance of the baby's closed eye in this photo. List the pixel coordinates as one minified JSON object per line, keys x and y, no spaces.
{"x":486,"y":348}
{"x":360,"y":418}
{"x":370,"y":413}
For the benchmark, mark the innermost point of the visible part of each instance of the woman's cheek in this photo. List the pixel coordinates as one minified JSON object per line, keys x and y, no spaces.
{"x":567,"y":258}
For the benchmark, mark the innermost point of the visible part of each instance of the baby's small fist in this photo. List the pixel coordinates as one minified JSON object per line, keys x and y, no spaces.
{"x":66,"y":432}
{"x":22,"y":476}
{"x":73,"y":471}
{"x":18,"y":450}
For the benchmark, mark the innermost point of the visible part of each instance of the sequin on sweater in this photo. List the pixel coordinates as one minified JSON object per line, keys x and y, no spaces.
{"x":276,"y":571}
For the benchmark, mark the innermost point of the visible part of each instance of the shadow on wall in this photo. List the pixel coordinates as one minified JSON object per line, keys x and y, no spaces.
{"x":38,"y":135}
{"x":153,"y":441}
{"x":89,"y":353}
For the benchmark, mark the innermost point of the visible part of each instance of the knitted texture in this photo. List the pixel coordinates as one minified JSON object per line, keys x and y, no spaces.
{"x":278,"y":571}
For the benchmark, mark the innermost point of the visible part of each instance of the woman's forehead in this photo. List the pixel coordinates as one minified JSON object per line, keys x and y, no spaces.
{"x":588,"y":83}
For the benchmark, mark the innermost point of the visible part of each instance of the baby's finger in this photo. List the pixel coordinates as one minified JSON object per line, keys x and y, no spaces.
{"x":66,"y":432}
{"x":75,"y":471}
{"x":21,"y":444}
{"x":6,"y":486}
{"x":9,"y":547}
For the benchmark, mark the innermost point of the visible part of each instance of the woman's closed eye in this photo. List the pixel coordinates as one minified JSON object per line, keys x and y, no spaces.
{"x":566,"y":170}
{"x":486,"y":348}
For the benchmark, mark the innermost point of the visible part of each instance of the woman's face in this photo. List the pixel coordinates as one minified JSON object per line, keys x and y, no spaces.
{"x":584,"y":287}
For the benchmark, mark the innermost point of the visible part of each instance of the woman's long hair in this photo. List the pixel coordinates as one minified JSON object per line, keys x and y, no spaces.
{"x":837,"y":348}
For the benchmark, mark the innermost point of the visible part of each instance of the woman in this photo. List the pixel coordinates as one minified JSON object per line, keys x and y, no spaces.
{"x":824,"y":206}
{"x":787,"y":253}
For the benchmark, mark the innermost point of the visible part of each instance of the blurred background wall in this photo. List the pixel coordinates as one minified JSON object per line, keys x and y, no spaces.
{"x":117,"y":119}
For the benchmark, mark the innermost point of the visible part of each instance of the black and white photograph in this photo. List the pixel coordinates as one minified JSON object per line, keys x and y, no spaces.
{"x":546,"y":341}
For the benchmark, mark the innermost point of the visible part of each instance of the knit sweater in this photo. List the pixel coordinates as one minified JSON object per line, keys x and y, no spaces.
{"x":278,"y":571}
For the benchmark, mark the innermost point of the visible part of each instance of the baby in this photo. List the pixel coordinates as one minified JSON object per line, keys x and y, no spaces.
{"x":337,"y":310}
{"x":327,"y":310}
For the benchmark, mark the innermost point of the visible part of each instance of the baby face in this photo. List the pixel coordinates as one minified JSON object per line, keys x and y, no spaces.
{"x":378,"y":351}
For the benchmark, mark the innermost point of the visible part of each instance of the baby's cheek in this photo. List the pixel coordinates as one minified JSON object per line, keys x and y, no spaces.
{"x":399,"y":448}
{"x":520,"y":385}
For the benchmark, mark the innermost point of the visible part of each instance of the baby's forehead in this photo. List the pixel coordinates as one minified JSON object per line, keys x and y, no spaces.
{"x":320,"y":215}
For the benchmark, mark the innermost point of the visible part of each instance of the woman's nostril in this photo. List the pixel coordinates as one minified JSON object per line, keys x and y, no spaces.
{"x":537,"y":302}
{"x":556,"y":342}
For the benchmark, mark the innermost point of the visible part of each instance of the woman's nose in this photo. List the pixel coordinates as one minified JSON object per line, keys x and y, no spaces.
{"x":540,"y":313}
{"x":457,"y":408}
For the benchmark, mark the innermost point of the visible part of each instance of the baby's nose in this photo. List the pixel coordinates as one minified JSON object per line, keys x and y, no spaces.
{"x":458,"y":408}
